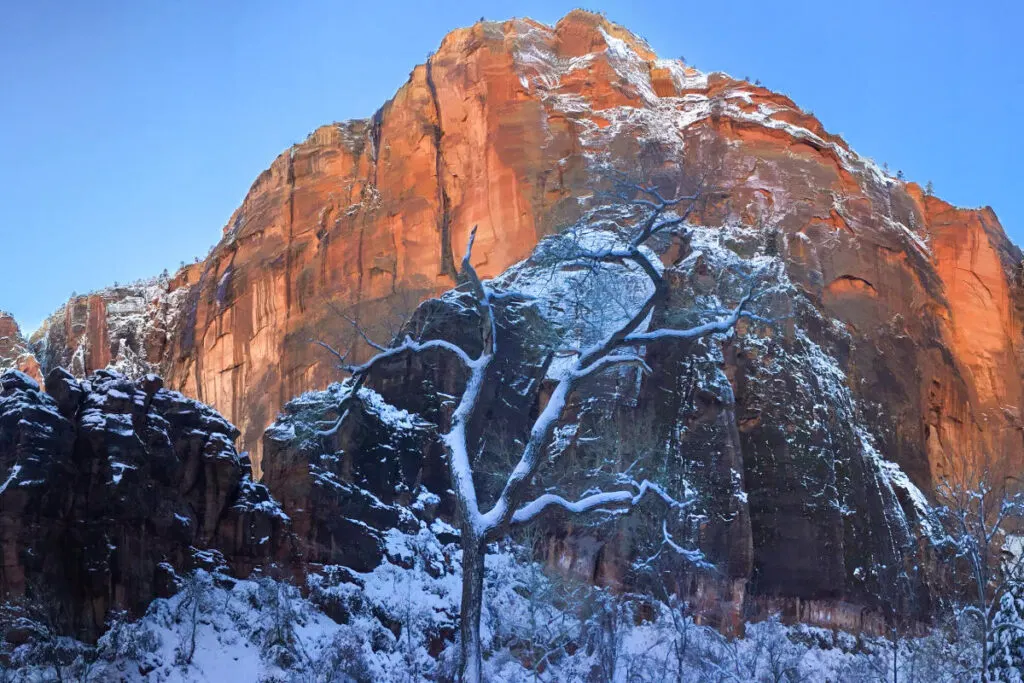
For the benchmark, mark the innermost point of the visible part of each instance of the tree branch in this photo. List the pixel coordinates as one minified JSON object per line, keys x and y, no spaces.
{"x":712,"y":327}
{"x":482,"y":295}
{"x":407,"y":345}
{"x":610,"y":361}
{"x":628,"y":499}
{"x":334,"y":352}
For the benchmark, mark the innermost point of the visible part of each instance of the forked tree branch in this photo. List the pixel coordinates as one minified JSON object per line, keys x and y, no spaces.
{"x":611,"y":351}
{"x":599,"y":357}
{"x":587,"y":363}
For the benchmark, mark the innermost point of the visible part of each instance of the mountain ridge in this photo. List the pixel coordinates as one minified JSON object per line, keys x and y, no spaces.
{"x":555,"y":99}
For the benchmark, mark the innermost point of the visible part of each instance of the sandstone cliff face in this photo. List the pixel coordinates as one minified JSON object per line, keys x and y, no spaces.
{"x":123,"y":327}
{"x":505,"y":127}
{"x":15,"y":350}
{"x":109,"y":488}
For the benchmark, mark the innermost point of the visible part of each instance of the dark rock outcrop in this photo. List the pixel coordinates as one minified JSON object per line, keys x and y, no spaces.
{"x":348,"y":469}
{"x":109,"y":488}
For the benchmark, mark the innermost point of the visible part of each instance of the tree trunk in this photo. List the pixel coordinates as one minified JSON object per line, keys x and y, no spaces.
{"x":472,"y":604}
{"x":984,"y":647}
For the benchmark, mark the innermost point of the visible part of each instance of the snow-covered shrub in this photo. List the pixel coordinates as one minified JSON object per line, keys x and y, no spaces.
{"x":274,"y":629}
{"x":766,"y":654}
{"x":31,"y":638}
{"x":1006,"y":641}
{"x":342,"y":660}
{"x":128,"y":640}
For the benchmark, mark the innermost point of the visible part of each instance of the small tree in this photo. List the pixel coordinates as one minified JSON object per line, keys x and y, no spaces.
{"x":190,"y":609}
{"x":978,"y":515}
{"x":1005,"y":646}
{"x":279,"y":617}
{"x":929,"y":189}
{"x":622,"y":346}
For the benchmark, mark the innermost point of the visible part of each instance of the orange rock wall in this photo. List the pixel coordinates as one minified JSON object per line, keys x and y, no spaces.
{"x":15,"y":351}
{"x":982,"y":331}
{"x":505,"y":128}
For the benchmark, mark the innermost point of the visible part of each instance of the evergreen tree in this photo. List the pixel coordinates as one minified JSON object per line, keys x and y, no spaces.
{"x":1005,"y":647}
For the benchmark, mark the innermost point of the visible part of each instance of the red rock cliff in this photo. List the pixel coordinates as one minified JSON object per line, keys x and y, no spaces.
{"x":504,"y":127}
{"x":15,"y":351}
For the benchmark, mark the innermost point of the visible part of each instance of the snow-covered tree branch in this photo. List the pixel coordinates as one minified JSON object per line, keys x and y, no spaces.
{"x":612,"y":501}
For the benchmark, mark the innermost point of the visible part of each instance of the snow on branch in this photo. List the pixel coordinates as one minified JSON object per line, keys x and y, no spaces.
{"x":692,"y":556}
{"x":623,"y":500}
{"x":715,"y":326}
{"x":534,"y":508}
{"x":609,"y":361}
{"x":411,"y":345}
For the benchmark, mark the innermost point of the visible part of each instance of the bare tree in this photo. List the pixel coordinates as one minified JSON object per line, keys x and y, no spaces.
{"x":620,"y":347}
{"x":980,"y":516}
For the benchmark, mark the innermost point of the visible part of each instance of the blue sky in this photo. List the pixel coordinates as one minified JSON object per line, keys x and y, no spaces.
{"x":131,"y":131}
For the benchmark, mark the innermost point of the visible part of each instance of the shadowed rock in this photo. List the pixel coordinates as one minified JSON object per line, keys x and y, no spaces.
{"x":109,"y":488}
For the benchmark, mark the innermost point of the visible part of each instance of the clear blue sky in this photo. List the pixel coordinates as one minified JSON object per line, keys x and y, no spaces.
{"x":131,"y":130}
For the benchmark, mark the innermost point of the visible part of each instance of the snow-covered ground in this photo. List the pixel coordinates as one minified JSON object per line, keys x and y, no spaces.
{"x":397,"y":623}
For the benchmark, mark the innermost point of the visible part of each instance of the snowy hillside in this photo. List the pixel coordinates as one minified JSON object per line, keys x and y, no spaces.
{"x":392,"y":625}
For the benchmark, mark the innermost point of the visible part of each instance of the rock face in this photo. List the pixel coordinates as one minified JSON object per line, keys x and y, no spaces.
{"x":906,"y":311}
{"x":15,"y":350}
{"x":109,"y":488}
{"x":344,"y":489}
{"x":796,"y":507}
{"x":124,"y":328}
{"x":504,"y":127}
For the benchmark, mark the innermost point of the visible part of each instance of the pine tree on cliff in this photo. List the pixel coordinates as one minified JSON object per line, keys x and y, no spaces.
{"x":518,"y":503}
